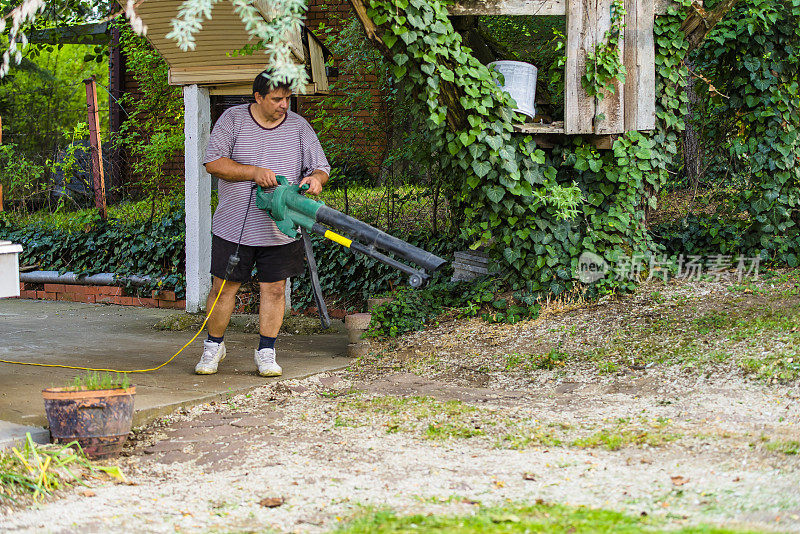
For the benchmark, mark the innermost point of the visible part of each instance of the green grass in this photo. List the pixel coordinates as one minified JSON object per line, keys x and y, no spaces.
{"x":616,"y":438}
{"x":529,"y":437}
{"x":791,"y":448}
{"x":93,"y":380}
{"x":63,"y":219}
{"x":549,"y":518}
{"x":533,"y":362}
{"x":33,"y":471}
{"x":429,"y":417}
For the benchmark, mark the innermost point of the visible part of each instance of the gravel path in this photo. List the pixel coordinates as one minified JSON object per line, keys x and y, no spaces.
{"x":305,"y":455}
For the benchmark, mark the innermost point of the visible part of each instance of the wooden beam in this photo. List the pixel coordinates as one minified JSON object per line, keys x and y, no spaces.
{"x":370,"y":29}
{"x":608,"y":116}
{"x":579,"y":108}
{"x":550,"y":135}
{"x":509,"y":7}
{"x":526,"y":7}
{"x":246,"y":89}
{"x":93,"y":117}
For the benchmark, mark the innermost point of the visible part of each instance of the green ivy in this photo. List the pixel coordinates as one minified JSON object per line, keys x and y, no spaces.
{"x":604,"y":64}
{"x":753,"y":57}
{"x":154,"y":249}
{"x":536,"y":211}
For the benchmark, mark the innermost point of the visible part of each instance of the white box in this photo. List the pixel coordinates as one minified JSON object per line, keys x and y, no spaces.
{"x":9,"y":269}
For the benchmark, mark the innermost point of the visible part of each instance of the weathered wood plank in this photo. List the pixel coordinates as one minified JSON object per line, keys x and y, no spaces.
{"x":525,"y":7}
{"x":318,"y":74}
{"x":245,"y":89}
{"x":609,"y":117}
{"x":509,"y":7}
{"x":579,"y":108}
{"x":639,"y":54}
{"x":539,"y":128}
{"x":646,"y":117}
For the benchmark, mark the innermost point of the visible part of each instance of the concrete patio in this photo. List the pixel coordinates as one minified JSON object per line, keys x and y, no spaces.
{"x":122,"y":337}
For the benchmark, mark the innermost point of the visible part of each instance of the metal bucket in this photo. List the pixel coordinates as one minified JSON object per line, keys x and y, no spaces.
{"x":520,"y":82}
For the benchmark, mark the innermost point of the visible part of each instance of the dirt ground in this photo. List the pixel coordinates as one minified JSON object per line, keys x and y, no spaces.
{"x":678,"y":403}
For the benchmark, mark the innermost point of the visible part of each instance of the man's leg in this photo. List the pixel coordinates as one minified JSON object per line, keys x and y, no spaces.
{"x":214,"y":350}
{"x":271,"y":307}
{"x":270,"y":316}
{"x":219,"y":320}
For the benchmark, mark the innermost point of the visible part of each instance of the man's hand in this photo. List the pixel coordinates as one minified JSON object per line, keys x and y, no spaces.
{"x":264,"y":177}
{"x":314,"y":183}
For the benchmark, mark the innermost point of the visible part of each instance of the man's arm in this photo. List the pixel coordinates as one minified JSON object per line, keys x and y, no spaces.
{"x":315,"y":181}
{"x":228,"y":170}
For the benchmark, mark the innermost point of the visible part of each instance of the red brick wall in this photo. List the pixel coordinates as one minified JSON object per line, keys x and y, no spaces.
{"x":319,"y":11}
{"x":98,"y":295}
{"x":332,"y":13}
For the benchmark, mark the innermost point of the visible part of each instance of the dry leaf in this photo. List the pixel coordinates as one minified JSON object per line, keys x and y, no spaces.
{"x":271,"y":502}
{"x":528,"y":476}
{"x":88,"y":493}
{"x":679,"y":480}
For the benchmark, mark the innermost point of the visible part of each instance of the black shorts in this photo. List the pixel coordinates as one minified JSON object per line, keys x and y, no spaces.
{"x":272,"y":263}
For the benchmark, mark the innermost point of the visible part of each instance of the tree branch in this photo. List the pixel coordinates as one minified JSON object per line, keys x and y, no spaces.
{"x":699,"y":21}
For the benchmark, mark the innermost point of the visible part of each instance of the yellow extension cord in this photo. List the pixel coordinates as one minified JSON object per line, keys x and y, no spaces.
{"x":134,"y":370}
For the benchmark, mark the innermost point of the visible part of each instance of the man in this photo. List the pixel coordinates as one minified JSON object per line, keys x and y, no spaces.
{"x":249,"y":146}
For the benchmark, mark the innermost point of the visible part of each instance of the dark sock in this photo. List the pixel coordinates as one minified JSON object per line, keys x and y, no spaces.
{"x":266,"y":342}
{"x":216,"y":339}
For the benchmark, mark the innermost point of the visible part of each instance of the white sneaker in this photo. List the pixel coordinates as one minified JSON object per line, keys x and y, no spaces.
{"x":265,"y":360}
{"x":213,"y":353}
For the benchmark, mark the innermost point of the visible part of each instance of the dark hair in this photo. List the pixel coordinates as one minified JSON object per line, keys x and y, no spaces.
{"x":264,"y":83}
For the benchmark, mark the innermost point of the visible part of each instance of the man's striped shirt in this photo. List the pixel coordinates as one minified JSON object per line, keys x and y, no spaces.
{"x":290,"y":149}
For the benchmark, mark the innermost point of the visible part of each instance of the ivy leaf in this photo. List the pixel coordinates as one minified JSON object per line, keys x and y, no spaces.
{"x":390,"y":39}
{"x":481,"y":168}
{"x":399,"y":71}
{"x":495,"y":194}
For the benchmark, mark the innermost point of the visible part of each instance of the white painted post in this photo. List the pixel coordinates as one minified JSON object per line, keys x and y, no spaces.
{"x":197,"y":129}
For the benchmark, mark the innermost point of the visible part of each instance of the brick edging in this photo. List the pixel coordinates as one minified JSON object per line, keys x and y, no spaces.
{"x":98,"y":295}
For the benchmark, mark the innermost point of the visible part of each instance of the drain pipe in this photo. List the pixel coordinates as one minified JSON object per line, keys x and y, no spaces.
{"x":101,"y":279}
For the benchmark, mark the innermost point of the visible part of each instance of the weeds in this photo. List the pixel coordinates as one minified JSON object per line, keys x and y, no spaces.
{"x":38,"y":470}
{"x":93,"y":380}
{"x":533,"y":362}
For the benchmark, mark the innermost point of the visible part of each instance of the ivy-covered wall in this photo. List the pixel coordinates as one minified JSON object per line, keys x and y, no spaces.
{"x":537,"y":211}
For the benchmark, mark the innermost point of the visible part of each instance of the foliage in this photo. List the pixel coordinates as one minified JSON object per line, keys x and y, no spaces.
{"x":756,"y":95}
{"x":150,"y":248}
{"x":38,"y":470}
{"x":94,"y":380}
{"x":153,"y":131}
{"x":537,"y":212}
{"x":350,"y":278}
{"x":604,"y":63}
{"x":21,"y":179}
{"x":411,"y":309}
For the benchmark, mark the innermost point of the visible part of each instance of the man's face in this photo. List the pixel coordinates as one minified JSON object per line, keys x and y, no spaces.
{"x":275,"y":104}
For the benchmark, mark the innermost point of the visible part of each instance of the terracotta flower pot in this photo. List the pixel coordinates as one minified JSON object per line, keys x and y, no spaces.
{"x":100,"y":420}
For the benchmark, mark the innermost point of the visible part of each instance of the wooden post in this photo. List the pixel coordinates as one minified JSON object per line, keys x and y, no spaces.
{"x":579,"y":108}
{"x":1,"y":185}
{"x":93,"y":118}
{"x":639,"y":56}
